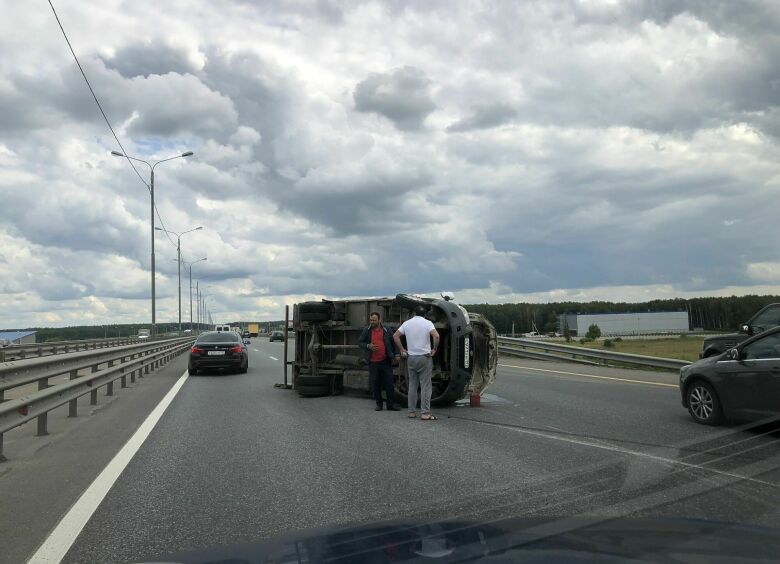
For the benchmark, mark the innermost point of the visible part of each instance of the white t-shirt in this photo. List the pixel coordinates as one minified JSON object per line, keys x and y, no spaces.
{"x":418,"y":332}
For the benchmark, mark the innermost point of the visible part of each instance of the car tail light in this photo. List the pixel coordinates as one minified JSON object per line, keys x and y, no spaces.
{"x":236,"y":349}
{"x":196,"y":350}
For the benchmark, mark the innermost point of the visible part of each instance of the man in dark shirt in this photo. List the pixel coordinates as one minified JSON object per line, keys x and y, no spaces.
{"x":381,"y":355}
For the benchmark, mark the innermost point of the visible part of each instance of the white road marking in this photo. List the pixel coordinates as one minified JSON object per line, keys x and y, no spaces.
{"x":639,"y":454}
{"x":59,"y":541}
{"x":613,"y":378}
{"x":272,"y":357}
{"x":255,"y":350}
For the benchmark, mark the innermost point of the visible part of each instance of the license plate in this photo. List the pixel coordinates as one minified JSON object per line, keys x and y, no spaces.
{"x":216,"y":353}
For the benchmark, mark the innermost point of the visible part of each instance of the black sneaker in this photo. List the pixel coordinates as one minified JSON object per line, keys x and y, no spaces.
{"x":378,"y":408}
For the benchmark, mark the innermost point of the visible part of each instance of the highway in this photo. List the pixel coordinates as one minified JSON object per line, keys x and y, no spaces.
{"x":233,"y":460}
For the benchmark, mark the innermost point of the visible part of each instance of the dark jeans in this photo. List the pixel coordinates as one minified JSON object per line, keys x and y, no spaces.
{"x":381,"y":376}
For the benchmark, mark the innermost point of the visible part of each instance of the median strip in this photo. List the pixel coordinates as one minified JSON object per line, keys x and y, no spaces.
{"x":614,"y":378}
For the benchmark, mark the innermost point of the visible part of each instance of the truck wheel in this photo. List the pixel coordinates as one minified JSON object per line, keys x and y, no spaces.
{"x":314,"y":311}
{"x":439,"y":397}
{"x":313,"y":381}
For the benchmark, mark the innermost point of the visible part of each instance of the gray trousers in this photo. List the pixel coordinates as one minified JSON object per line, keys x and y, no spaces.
{"x":420,"y":370}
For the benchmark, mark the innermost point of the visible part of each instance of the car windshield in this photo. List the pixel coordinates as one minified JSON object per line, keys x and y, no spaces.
{"x":514,"y":245}
{"x":768,"y":318}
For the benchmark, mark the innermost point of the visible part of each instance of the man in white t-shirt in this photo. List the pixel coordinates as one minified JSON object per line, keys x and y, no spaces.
{"x":419,"y":354}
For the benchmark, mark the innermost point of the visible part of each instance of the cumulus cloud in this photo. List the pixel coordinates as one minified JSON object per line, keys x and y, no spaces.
{"x":485,"y":117}
{"x":153,"y":57}
{"x":402,"y":96}
{"x":523,"y":151}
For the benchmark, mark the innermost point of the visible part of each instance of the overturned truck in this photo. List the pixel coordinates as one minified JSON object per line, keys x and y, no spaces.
{"x":328,"y":360}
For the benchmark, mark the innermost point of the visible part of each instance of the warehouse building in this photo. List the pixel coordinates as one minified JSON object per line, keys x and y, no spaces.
{"x":616,"y":324}
{"x":18,"y":337}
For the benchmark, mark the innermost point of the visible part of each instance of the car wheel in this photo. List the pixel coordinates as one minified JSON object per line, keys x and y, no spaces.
{"x":192,"y":371}
{"x":703,"y":404}
{"x":244,"y":369}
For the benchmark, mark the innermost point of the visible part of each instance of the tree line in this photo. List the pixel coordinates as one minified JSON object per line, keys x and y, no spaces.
{"x":83,"y":332}
{"x":710,"y":314}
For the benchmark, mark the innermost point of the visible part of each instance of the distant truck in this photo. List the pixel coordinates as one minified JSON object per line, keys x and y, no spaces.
{"x":328,"y":360}
{"x":254,"y":329}
{"x":766,"y":318}
{"x":143,"y":334}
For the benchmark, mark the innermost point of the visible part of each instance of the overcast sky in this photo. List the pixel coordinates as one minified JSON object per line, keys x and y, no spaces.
{"x":504,"y":151}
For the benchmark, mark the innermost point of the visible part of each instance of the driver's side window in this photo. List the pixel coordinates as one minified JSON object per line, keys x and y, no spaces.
{"x":768,"y":347}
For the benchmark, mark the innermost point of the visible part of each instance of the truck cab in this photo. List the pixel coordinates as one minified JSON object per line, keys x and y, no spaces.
{"x":766,"y":318}
{"x":329,"y":361}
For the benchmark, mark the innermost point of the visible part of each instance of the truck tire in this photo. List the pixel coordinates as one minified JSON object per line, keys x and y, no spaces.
{"x":314,"y":311}
{"x":313,"y":381}
{"x":313,"y":391}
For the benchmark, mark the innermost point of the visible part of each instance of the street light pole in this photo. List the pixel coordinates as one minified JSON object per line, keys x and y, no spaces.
{"x":190,"y":269}
{"x":154,"y":313}
{"x":151,"y":192}
{"x":178,"y":258}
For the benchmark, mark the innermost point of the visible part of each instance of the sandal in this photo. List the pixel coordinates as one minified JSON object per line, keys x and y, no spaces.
{"x":412,"y":415}
{"x":429,"y":418}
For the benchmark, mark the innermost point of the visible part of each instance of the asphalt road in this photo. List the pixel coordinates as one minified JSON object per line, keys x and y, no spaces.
{"x":235,"y":460}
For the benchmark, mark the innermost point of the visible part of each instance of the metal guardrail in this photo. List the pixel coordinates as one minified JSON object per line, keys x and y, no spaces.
{"x":135,"y":360}
{"x":532,"y":348}
{"x":16,"y":352}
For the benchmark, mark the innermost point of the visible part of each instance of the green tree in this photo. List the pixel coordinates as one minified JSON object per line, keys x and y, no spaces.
{"x":593,"y":332}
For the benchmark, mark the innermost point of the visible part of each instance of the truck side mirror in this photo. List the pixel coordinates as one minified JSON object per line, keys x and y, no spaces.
{"x":747,"y":329}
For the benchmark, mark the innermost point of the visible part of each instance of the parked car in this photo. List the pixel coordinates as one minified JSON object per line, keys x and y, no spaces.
{"x":766,"y":318}
{"x":743,"y":382}
{"x":218,"y":350}
{"x":276,"y":336}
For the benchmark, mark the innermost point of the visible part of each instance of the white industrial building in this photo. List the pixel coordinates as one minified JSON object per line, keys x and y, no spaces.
{"x":616,"y":324}
{"x":18,"y":337}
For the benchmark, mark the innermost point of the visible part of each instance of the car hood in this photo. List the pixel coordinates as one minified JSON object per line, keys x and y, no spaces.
{"x":701,"y":363}
{"x":736,"y":337}
{"x":570,"y":539}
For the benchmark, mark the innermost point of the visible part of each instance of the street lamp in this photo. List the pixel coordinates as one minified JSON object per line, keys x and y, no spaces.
{"x":178,"y":259}
{"x":151,"y":192}
{"x":190,"y":271}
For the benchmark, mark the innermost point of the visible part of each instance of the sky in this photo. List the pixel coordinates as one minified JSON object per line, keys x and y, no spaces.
{"x":503,"y":151}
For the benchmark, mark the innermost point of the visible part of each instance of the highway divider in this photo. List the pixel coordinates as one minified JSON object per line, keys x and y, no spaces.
{"x":105,"y":367}
{"x":545,"y":350}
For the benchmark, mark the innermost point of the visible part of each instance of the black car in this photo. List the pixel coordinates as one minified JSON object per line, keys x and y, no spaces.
{"x":766,"y":318}
{"x":276,"y":336}
{"x":218,"y":350}
{"x":743,"y":382}
{"x":245,"y":334}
